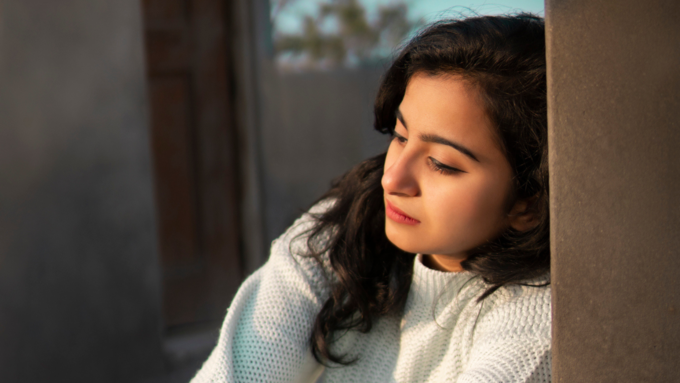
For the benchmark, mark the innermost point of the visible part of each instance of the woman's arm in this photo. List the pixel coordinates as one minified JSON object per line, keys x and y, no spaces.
{"x":266,"y":334}
{"x":512,"y":343}
{"x":525,"y":361}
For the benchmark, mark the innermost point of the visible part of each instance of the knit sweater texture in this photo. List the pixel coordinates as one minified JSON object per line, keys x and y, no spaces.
{"x":444,"y":334}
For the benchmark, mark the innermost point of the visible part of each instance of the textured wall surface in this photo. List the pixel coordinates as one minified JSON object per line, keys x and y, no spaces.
{"x":79,"y":281}
{"x":614,"y":100}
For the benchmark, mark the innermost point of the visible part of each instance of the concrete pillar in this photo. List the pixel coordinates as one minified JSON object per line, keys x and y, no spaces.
{"x":79,"y":280}
{"x":614,"y":114}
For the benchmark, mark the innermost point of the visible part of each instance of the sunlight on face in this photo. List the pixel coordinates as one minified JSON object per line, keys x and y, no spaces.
{"x":446,"y":181}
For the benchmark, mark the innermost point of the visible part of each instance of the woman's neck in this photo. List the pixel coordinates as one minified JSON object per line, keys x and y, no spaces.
{"x":442,"y":262}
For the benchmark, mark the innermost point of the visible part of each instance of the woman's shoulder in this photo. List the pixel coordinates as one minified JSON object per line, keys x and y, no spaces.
{"x":293,"y":245}
{"x":520,"y":309}
{"x":512,"y":337}
{"x":267,"y":328}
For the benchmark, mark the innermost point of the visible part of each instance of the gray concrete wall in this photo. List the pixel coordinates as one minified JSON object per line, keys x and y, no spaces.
{"x":318,"y":125}
{"x":614,"y":100}
{"x":79,"y":280}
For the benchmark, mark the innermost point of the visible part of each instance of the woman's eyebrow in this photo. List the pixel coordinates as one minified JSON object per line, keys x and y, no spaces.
{"x":441,"y":140}
{"x":433,"y":138}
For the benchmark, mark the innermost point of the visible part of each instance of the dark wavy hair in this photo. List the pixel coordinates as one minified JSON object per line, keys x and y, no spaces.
{"x":504,"y":57}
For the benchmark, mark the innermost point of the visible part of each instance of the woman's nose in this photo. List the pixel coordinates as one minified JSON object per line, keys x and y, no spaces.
{"x":399,"y":177}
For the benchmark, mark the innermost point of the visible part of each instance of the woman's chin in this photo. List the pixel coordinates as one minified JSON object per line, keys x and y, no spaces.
{"x":402,"y":241}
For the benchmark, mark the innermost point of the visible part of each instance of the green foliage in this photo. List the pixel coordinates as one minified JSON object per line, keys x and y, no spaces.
{"x":354,"y":41}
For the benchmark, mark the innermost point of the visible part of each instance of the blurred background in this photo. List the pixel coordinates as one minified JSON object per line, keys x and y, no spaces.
{"x":150,"y":151}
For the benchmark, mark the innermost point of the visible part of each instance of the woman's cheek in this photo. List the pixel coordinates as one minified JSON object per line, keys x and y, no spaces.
{"x":465,"y":203}
{"x":490,"y":206}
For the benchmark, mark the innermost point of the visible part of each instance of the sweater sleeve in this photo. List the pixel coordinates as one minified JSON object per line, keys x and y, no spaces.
{"x":513,"y":342}
{"x":266,"y":333}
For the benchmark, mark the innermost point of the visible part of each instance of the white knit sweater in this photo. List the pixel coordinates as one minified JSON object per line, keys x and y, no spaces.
{"x":444,"y":335}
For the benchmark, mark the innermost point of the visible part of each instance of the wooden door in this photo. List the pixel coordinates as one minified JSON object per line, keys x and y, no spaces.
{"x":193,"y":137}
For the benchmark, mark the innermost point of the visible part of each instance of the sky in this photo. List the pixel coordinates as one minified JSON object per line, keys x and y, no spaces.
{"x":289,"y":20}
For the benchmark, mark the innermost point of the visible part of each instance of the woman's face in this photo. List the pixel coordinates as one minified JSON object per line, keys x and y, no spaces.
{"x":446,"y":182}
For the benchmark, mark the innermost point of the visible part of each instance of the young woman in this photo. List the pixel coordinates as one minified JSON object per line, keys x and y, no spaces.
{"x":429,"y":263}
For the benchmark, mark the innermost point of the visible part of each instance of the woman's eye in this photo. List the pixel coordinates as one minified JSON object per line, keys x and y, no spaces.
{"x":441,"y":168}
{"x":400,"y":138}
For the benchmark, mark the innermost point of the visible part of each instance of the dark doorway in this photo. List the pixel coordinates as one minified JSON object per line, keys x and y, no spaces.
{"x":195,"y":159}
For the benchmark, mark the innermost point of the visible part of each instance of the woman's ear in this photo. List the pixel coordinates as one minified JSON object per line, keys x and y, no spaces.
{"x":523,"y":215}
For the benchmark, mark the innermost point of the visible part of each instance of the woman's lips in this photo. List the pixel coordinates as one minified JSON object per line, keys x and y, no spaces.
{"x":398,"y":216}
